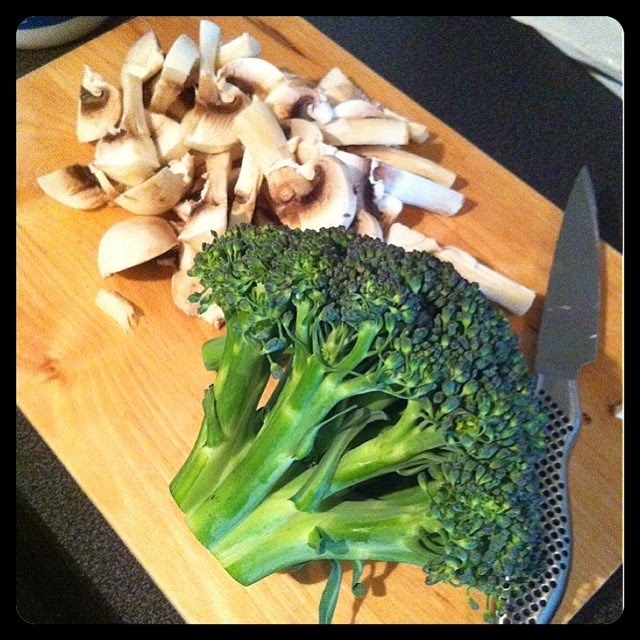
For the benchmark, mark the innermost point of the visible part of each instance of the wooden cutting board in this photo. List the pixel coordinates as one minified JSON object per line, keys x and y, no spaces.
{"x":121,"y":411}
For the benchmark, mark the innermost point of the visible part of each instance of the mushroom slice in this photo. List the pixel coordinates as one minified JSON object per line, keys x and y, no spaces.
{"x":113,"y":191}
{"x":358,"y":108}
{"x":134,"y":241}
{"x":293,"y":98}
{"x":74,"y":186}
{"x":308,"y":139}
{"x":129,"y":155}
{"x":160,"y":192}
{"x":338,"y":88}
{"x":244,"y":46}
{"x":367,"y":225}
{"x":209,"y":127}
{"x":260,"y":132}
{"x":414,"y":190}
{"x":349,"y":131}
{"x":498,"y":288}
{"x":117,"y":307}
{"x":409,"y":239}
{"x":177,"y":67}
{"x":183,"y":286}
{"x":408,"y":161}
{"x":252,"y":75}
{"x":210,"y":34}
{"x":245,"y":191}
{"x":417,"y":132}
{"x":145,"y":58}
{"x":99,"y":107}
{"x":330,"y":203}
{"x":358,"y":169}
{"x":167,"y":135}
{"x":210,"y":214}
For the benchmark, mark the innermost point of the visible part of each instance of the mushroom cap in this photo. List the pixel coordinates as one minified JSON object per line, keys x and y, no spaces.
{"x":134,"y":241}
{"x":99,"y":107}
{"x":74,"y":186}
{"x":252,"y":75}
{"x":330,"y":203}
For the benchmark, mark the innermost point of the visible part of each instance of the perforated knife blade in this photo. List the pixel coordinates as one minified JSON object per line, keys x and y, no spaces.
{"x":568,"y":337}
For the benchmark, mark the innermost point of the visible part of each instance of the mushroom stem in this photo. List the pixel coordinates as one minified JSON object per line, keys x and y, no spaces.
{"x":260,"y":132}
{"x":417,"y":132}
{"x":210,"y":34}
{"x":245,"y":191}
{"x":349,"y":131}
{"x":414,"y":190}
{"x":176,"y":70}
{"x":408,"y":161}
{"x":338,"y":88}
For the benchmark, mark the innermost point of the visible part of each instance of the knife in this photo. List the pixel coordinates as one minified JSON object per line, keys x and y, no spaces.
{"x":567,"y":340}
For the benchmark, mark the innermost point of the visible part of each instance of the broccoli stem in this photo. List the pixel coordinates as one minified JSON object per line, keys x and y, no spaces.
{"x":228,"y":429}
{"x":276,"y":536}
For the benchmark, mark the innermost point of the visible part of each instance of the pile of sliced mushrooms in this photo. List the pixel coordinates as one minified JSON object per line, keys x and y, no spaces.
{"x":212,"y":135}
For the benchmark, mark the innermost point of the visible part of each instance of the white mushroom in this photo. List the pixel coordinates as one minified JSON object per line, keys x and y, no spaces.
{"x":366,"y":224}
{"x":167,"y":135}
{"x":414,"y":190}
{"x":134,"y":241}
{"x":177,"y":67}
{"x":254,"y":76}
{"x":74,"y":186}
{"x":145,"y":58}
{"x":295,"y":98}
{"x":417,"y":132}
{"x":245,"y":191}
{"x":210,"y":214}
{"x":117,"y":307}
{"x":358,"y":108}
{"x":210,"y":34}
{"x":330,"y":203}
{"x":99,"y":107}
{"x":244,"y":46}
{"x":260,"y":132}
{"x":338,"y":88}
{"x":409,"y":239}
{"x":129,"y":155}
{"x":408,"y":161}
{"x":160,"y":192}
{"x":349,"y":131}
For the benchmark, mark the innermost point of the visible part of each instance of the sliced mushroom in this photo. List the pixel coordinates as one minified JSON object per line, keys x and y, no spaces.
{"x":408,"y":161}
{"x":338,"y":88}
{"x":129,"y":155}
{"x":176,"y":70}
{"x":183,"y":286}
{"x":245,"y":191}
{"x":367,"y":225}
{"x":134,"y":241}
{"x":209,"y":127}
{"x":74,"y":186}
{"x":358,"y":108}
{"x":417,"y":132}
{"x":308,"y":139}
{"x":498,"y":288}
{"x":210,"y":34}
{"x":414,"y":190}
{"x":349,"y":131}
{"x":330,"y":203}
{"x":210,"y":214}
{"x":167,"y":135}
{"x":244,"y":46}
{"x":253,"y":76}
{"x":112,"y":190}
{"x":294,"y":98}
{"x":99,"y":107}
{"x":409,"y":239}
{"x":160,"y":192}
{"x":117,"y":307}
{"x":145,"y":58}
{"x":260,"y":132}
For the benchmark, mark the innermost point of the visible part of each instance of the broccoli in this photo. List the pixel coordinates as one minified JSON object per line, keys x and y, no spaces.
{"x":404,"y":426}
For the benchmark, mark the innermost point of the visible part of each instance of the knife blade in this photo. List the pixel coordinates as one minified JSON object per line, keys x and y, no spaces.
{"x":568,"y":337}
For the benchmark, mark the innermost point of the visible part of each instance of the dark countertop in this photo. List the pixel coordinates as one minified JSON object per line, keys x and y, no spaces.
{"x":496,"y":82}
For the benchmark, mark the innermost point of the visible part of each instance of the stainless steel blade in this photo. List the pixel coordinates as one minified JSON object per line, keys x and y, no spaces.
{"x":568,"y":337}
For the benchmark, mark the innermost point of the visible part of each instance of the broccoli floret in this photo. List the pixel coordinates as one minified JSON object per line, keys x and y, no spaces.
{"x":404,"y":427}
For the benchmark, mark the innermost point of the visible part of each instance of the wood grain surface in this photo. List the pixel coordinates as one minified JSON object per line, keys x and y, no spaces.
{"x":121,"y":411}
